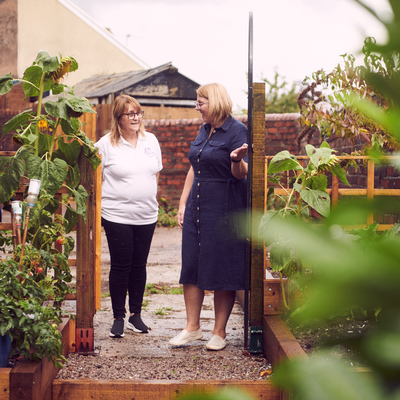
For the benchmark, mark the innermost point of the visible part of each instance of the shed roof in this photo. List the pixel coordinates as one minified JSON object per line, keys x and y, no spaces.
{"x":162,"y":82}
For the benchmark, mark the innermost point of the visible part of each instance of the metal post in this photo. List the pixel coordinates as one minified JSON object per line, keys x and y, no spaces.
{"x":249,"y":180}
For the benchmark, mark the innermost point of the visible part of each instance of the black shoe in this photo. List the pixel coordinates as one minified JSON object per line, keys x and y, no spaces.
{"x":117,"y":330}
{"x":136,"y":324}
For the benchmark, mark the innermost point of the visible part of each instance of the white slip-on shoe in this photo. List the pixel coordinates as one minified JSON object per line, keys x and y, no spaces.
{"x":185,"y":337}
{"x":216,"y":343}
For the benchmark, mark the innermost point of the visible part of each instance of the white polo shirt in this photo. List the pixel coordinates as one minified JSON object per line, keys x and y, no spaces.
{"x":129,"y":187}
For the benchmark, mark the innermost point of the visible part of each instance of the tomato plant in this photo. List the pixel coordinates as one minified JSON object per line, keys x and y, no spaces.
{"x":51,"y":141}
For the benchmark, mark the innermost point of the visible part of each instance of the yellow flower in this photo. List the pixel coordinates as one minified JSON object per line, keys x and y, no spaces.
{"x":43,"y":125}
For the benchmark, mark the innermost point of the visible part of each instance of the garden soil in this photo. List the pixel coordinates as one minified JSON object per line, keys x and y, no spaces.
{"x":149,"y":356}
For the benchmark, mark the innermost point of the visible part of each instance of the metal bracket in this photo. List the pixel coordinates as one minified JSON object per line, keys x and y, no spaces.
{"x":256,"y":339}
{"x":84,"y":341}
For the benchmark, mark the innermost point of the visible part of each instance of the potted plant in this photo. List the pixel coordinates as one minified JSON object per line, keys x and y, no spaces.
{"x":51,"y":141}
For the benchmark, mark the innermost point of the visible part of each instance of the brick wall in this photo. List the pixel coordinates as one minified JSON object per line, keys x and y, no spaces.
{"x":14,"y":100}
{"x":175,"y":137}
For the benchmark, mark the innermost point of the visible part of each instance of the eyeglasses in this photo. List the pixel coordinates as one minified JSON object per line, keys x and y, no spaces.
{"x":196,"y":104}
{"x":132,"y":115}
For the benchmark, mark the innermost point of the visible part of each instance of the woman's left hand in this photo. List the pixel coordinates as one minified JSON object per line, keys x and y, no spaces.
{"x":239,"y":153}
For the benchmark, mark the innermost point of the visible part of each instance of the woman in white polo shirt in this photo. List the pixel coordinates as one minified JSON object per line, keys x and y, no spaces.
{"x":131,"y":164}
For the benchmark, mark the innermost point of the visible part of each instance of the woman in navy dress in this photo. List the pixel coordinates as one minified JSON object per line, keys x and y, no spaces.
{"x":214,"y":196}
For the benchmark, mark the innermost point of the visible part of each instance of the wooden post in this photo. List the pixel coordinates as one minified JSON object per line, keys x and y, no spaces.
{"x":85,"y":254}
{"x":335,"y":190}
{"x":370,"y":187}
{"x":257,"y":195}
{"x":97,"y":237}
{"x":85,"y":265}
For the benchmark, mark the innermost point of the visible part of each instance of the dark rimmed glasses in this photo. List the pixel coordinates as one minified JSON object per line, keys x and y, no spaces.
{"x":132,"y":115}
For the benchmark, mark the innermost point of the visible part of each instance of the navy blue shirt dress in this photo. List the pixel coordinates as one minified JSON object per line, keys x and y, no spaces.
{"x":213,"y":244}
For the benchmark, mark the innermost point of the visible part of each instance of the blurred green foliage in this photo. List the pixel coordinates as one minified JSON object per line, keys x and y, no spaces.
{"x":352,"y":270}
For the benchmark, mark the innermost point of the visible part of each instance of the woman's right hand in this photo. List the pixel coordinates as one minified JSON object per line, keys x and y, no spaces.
{"x":181,"y":213}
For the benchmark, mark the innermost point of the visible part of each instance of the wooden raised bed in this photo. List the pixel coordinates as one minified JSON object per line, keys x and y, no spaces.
{"x":33,"y":380}
{"x":154,"y":389}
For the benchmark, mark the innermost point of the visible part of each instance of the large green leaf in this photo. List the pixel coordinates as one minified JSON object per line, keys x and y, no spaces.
{"x":32,"y":74}
{"x":17,"y":121}
{"x":318,"y":200}
{"x":6,"y":83}
{"x":58,"y":88}
{"x":338,"y":171}
{"x":283,"y":161}
{"x":71,"y":218}
{"x":59,"y":109}
{"x":279,"y":256}
{"x":80,"y":198}
{"x":318,"y":182}
{"x":33,"y":164}
{"x":80,"y":104}
{"x":44,"y":143}
{"x":268,"y":236}
{"x":47,"y":63}
{"x":10,"y":178}
{"x":318,"y":156}
{"x":69,"y":152}
{"x":318,"y":377}
{"x":52,"y":174}
{"x":73,"y":176}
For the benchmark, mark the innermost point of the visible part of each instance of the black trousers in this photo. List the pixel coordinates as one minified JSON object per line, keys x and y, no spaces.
{"x":129,"y":247}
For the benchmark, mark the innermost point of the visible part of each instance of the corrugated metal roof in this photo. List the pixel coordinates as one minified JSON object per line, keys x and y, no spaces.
{"x":103,"y":85}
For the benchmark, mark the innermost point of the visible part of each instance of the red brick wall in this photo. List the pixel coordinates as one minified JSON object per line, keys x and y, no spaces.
{"x":175,"y":137}
{"x":14,"y":100}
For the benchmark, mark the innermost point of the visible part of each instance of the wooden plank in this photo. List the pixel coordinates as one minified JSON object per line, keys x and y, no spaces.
{"x":29,"y":380}
{"x":273,"y":296}
{"x":370,"y":187}
{"x":278,"y":342}
{"x":85,"y":265}
{"x":150,"y":390}
{"x":71,"y":336}
{"x":349,"y":192}
{"x":97,"y":237}
{"x":5,"y":383}
{"x":32,"y":381}
{"x":257,"y":195}
{"x":5,"y":226}
{"x":335,"y":190}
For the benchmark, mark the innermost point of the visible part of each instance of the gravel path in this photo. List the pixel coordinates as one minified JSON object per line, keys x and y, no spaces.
{"x":148,"y":356}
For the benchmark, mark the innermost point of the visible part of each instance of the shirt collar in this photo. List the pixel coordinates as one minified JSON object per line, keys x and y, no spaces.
{"x":141,"y":138}
{"x":225,"y":126}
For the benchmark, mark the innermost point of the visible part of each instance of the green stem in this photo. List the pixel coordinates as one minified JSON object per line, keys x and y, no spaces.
{"x":300,"y":203}
{"x":283,"y":292}
{"x":53,"y":138}
{"x":39,"y":112}
{"x":291,"y":194}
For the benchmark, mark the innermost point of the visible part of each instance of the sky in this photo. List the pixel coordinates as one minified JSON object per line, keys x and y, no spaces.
{"x":208,"y":40}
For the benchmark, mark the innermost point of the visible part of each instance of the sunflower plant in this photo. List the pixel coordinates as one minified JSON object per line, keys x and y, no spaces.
{"x":309,"y":193}
{"x":51,"y":141}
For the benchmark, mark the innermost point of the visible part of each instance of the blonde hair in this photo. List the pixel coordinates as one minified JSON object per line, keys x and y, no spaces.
{"x":219,"y":102}
{"x":120,"y":107}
